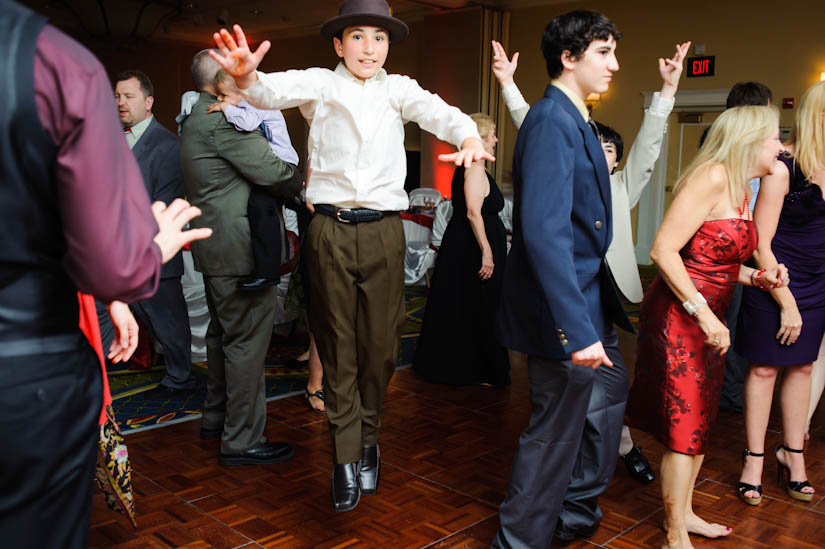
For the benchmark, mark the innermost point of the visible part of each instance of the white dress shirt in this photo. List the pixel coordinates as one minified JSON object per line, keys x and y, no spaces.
{"x":356,"y":136}
{"x":136,"y":132}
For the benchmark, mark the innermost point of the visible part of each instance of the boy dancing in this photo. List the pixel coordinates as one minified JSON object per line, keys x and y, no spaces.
{"x":355,"y":242}
{"x":556,"y":281}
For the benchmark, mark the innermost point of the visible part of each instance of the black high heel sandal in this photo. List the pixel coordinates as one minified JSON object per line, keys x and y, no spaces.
{"x":745,"y":487}
{"x":319,"y":394}
{"x":794,"y":488}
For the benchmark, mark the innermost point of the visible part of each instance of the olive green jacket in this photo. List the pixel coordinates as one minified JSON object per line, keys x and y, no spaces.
{"x":219,"y":164}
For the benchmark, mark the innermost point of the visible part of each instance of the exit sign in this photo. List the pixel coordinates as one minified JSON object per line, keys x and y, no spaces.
{"x":701,"y":66}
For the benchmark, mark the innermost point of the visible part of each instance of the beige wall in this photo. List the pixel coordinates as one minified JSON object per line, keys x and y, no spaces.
{"x":746,"y":39}
{"x":751,"y":41}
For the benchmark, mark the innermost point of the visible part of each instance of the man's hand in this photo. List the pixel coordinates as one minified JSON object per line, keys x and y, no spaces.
{"x":171,"y":237}
{"x":472,"y":149}
{"x":591,"y":356}
{"x":671,"y":70}
{"x":236,"y":58}
{"x":503,"y":68}
{"x":219,"y":106}
{"x":125,"y":340}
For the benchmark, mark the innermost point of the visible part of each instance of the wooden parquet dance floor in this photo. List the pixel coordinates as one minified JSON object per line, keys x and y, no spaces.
{"x":446,"y":456}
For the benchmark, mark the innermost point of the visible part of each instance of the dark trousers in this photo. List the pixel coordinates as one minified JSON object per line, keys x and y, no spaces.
{"x":356,"y":275}
{"x":240,"y":327}
{"x":49,"y":407}
{"x":736,"y":366}
{"x":167,"y":318}
{"x":264,"y":214}
{"x":567,"y":453}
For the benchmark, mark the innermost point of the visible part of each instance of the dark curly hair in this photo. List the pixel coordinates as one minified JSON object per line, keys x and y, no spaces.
{"x":574,"y":32}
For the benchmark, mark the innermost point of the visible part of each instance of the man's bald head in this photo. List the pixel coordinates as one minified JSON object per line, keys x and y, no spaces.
{"x":204,"y":69}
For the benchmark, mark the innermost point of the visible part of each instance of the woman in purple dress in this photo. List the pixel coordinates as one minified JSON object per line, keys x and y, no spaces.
{"x":783,"y":327}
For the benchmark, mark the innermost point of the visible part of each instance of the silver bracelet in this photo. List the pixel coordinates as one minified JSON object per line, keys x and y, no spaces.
{"x":692,"y":305}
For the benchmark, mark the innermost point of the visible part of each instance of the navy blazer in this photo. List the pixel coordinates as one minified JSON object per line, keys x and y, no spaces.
{"x":158,"y":155}
{"x":558,"y":293}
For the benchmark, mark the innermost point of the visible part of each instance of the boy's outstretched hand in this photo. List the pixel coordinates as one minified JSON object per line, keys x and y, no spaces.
{"x":671,"y":70}
{"x":503,"y":68}
{"x":472,"y":149}
{"x":236,"y":58}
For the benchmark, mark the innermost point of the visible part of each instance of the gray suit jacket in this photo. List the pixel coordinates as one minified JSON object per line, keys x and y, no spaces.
{"x":219,"y":164}
{"x":626,"y":188}
{"x":158,"y":155}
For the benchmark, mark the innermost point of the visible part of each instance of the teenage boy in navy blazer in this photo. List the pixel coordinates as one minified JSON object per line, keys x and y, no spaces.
{"x":559,"y":302}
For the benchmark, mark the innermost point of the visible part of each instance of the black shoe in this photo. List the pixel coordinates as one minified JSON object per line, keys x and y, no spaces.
{"x":345,"y":492}
{"x":162,"y":392}
{"x":637,"y":466}
{"x":369,"y":469}
{"x":211,"y":433}
{"x":252,"y":284}
{"x":563,"y":533}
{"x":269,"y":452}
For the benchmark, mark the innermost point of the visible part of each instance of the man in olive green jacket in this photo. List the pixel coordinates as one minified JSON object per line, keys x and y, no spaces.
{"x":219,"y":165}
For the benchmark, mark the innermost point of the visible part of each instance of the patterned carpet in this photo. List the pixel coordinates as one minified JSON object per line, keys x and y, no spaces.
{"x":135,"y":411}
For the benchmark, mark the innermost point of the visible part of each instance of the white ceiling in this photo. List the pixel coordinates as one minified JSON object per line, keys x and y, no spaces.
{"x":123,"y":21}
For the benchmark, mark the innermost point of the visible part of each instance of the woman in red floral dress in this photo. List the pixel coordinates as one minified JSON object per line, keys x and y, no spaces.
{"x":699,"y":249}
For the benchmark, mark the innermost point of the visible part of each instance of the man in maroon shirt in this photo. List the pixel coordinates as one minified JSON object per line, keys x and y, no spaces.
{"x":74,"y":215}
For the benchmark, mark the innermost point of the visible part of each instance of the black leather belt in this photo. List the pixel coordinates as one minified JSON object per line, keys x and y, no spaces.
{"x":352,"y":215}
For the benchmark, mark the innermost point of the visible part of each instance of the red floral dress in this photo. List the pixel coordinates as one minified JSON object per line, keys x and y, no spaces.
{"x":675,"y":393}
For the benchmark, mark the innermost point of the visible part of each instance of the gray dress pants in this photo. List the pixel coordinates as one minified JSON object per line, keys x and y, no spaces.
{"x":567,"y":454}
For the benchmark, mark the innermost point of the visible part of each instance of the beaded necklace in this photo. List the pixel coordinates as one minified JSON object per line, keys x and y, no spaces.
{"x":745,"y":209}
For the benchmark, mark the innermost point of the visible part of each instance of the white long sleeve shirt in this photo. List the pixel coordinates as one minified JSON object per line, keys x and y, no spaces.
{"x":356,"y":136}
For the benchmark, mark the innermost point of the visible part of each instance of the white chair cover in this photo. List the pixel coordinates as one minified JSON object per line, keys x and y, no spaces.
{"x":506,"y":216}
{"x":443,"y":213}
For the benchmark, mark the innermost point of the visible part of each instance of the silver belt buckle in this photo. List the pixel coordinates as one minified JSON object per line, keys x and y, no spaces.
{"x":338,"y":214}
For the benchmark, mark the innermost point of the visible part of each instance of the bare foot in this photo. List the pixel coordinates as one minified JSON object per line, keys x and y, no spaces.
{"x":676,"y":539}
{"x":696,"y":525}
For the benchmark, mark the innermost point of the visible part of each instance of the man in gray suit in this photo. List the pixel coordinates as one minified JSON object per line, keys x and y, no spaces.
{"x":220,"y":165}
{"x":157,"y":152}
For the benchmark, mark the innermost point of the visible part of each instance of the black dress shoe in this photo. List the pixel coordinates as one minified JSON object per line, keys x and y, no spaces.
{"x":252,"y":284}
{"x":162,"y":392}
{"x":269,"y":452}
{"x":563,"y":533}
{"x":369,"y":469}
{"x":211,"y":433}
{"x":637,"y":466}
{"x":345,"y":492}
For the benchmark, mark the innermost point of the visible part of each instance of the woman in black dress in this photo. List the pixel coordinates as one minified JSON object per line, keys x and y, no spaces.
{"x":458,"y":343}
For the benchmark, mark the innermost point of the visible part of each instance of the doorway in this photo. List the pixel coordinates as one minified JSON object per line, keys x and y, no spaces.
{"x":693,"y":112}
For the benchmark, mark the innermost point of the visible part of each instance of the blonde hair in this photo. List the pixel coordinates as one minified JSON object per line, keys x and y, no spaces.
{"x":484,"y":122}
{"x":808,"y":133}
{"x":735,"y":141}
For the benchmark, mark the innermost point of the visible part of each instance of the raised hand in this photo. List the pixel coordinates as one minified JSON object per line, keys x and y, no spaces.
{"x":671,"y":69}
{"x":171,"y":237}
{"x":503,"y":68}
{"x":472,"y":149}
{"x":236,"y":58}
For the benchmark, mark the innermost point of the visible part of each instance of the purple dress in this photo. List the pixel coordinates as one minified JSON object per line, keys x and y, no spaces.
{"x":799,"y":243}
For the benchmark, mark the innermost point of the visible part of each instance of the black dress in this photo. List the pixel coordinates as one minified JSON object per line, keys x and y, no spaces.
{"x":458,"y":343}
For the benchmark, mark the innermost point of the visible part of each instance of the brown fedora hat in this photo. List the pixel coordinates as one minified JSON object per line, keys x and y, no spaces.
{"x":375,"y":13}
